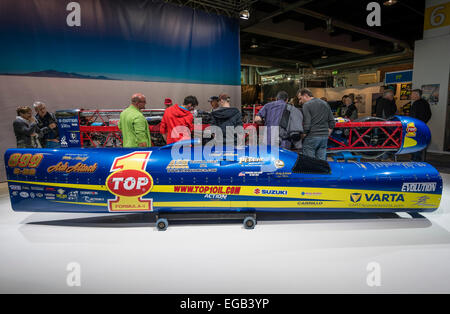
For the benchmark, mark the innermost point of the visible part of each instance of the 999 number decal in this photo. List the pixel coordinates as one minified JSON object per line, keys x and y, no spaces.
{"x":26,"y":163}
{"x":25,"y":160}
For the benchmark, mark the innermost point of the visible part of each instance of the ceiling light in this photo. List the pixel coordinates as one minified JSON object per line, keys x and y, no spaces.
{"x":390,"y":2}
{"x":244,"y":14}
{"x":324,"y":55}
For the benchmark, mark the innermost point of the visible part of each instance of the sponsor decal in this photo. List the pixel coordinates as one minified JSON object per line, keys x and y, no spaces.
{"x":178,"y":164}
{"x":24,"y":194}
{"x":32,"y":195}
{"x":40,"y":195}
{"x":310,"y":203}
{"x":64,"y":141}
{"x":419,"y":187}
{"x":182,"y":166}
{"x":89,"y":199}
{"x":73,"y":196}
{"x":15,"y":193}
{"x":50,"y":189}
{"x":249,"y":173}
{"x":377,"y":197}
{"x":81,"y":158}
{"x":216,"y":196}
{"x":355,"y":197}
{"x":279,"y":164}
{"x":37,"y":188}
{"x":270,"y":192}
{"x":88,"y":193}
{"x":129,"y":182}
{"x":205,"y":189}
{"x":198,"y":170}
{"x":15,"y":187}
{"x":50,"y":196}
{"x":245,"y":160}
{"x":78,"y":168}
{"x":312,"y":193}
{"x":411,"y":130}
{"x":423,"y":201}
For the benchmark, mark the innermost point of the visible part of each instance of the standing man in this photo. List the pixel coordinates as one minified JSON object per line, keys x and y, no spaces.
{"x":420,"y":109}
{"x":134,"y":126}
{"x":46,"y":122}
{"x":214,"y":101}
{"x":351,"y":112}
{"x":226,"y":116}
{"x":318,"y":123}
{"x":386,"y":107}
{"x":272,"y":113}
{"x":177,"y":120}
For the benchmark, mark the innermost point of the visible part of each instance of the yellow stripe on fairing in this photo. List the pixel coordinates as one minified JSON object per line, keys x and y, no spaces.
{"x":81,"y":203}
{"x":324,"y":198}
{"x":66,"y":185}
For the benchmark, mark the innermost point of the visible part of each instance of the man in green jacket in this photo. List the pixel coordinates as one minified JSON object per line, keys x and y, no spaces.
{"x":134,"y":126}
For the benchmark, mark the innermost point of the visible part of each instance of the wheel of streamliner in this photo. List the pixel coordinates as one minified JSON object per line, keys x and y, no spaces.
{"x":374,"y":138}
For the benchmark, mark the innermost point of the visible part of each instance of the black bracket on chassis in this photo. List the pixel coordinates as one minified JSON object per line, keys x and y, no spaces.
{"x":162,"y":219}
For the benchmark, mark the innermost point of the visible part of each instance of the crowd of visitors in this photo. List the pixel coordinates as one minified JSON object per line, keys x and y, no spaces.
{"x":303,"y":123}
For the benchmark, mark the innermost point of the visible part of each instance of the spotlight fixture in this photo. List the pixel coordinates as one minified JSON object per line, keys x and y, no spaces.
{"x":324,"y":55}
{"x":244,"y":14}
{"x":390,"y":2}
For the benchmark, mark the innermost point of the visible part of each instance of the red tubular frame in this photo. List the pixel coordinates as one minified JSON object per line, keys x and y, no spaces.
{"x":392,"y":129}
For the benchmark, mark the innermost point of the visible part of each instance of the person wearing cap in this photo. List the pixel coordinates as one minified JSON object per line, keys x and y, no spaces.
{"x":168,"y":102}
{"x":226,"y":116}
{"x":214,"y":100}
{"x":178,"y":120}
{"x":134,"y":126}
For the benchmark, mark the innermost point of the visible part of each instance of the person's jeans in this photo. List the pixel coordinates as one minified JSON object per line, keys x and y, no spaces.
{"x":315,"y":147}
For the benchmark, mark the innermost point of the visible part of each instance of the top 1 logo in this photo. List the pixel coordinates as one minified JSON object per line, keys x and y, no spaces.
{"x":130,"y":182}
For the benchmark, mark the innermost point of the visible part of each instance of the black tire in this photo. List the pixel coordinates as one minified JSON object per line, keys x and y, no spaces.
{"x":162,"y":224}
{"x":249,"y":223}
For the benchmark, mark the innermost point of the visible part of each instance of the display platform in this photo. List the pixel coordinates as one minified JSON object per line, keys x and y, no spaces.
{"x":301,"y":253}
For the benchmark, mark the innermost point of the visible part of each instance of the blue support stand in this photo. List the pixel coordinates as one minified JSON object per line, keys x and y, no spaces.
{"x":346,"y":156}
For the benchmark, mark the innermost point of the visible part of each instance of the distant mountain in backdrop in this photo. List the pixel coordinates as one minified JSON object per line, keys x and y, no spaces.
{"x":54,"y":73}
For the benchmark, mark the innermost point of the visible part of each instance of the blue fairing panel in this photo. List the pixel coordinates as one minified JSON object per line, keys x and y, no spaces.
{"x":164,"y":179}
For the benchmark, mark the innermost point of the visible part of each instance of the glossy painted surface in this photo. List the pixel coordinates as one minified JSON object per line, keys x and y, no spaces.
{"x":416,"y":135}
{"x":152,"y":180}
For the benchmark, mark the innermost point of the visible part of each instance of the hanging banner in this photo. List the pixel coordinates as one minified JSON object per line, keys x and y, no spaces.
{"x":133,"y":40}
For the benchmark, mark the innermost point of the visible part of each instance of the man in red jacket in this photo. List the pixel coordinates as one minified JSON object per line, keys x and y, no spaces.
{"x":177,"y":120}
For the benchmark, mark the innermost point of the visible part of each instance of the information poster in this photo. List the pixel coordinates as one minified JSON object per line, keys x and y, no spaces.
{"x":405,"y":91}
{"x":430,"y":93}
